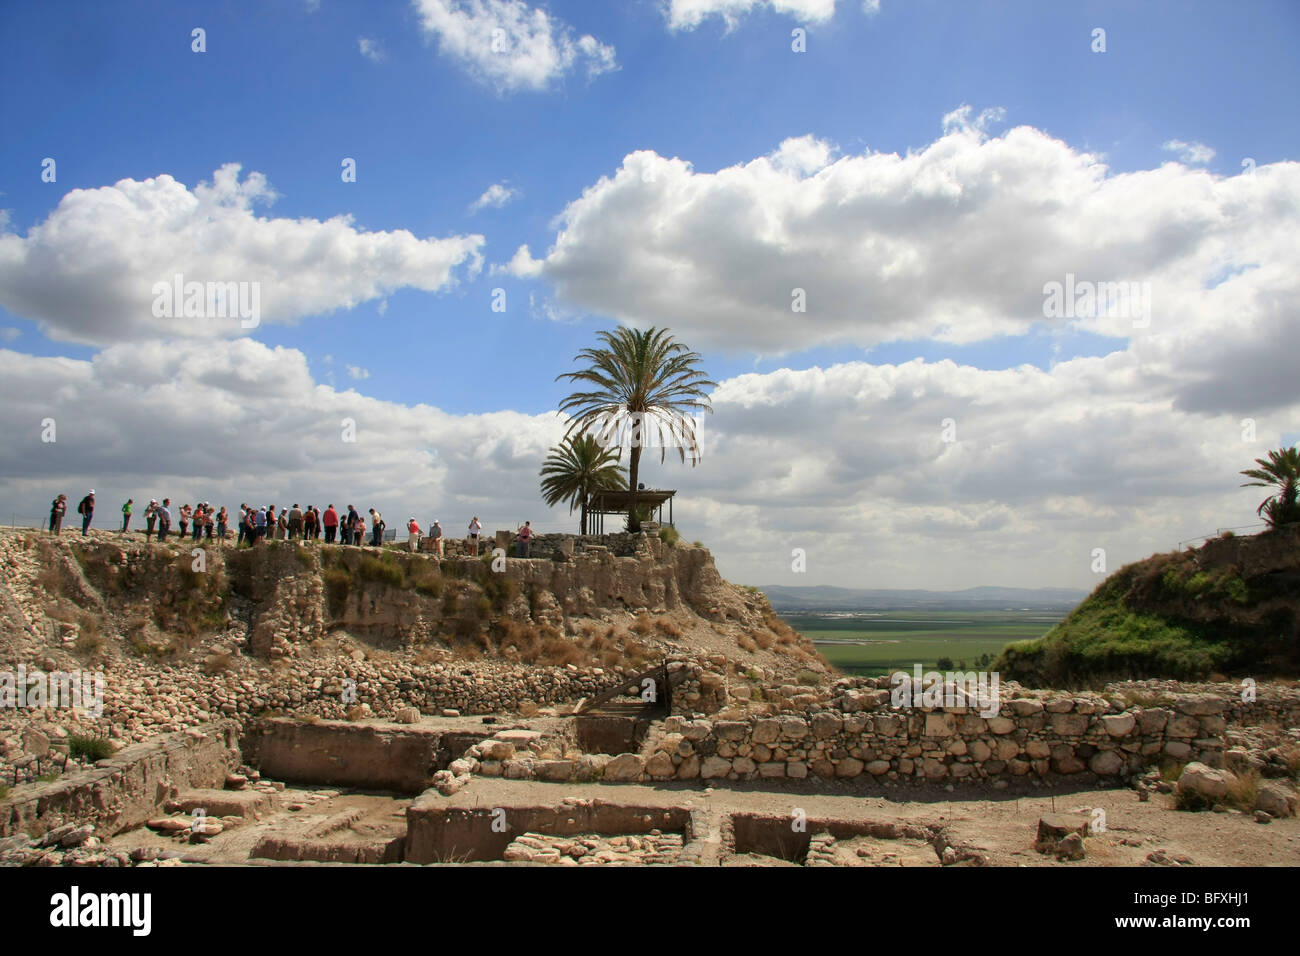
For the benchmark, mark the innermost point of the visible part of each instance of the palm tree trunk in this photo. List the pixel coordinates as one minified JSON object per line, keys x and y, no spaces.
{"x":583,"y":512}
{"x":634,"y":469}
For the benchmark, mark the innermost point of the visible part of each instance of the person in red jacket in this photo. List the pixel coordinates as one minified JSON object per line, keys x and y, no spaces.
{"x":413,"y":535}
{"x":330,"y":521}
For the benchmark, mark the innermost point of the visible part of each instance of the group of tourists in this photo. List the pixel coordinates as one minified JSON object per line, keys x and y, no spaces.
{"x":203,"y":521}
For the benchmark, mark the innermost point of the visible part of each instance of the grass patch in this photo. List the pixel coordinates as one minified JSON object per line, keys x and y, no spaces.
{"x":89,"y":749}
{"x":384,"y":570}
{"x":669,"y":536}
{"x":338,"y":584}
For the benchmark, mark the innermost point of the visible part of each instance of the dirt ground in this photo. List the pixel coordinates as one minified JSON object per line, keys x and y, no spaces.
{"x":999,"y":831}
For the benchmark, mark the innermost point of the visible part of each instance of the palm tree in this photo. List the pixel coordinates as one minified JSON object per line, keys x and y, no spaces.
{"x":576,"y":468}
{"x":644,"y":383}
{"x":1283,"y":470}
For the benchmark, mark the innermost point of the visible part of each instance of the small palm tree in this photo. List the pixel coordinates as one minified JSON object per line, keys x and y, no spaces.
{"x":645,"y":380}
{"x":576,"y":468}
{"x":1282,"y":469}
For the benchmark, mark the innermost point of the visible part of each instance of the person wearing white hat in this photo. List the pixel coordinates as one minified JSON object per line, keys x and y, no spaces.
{"x":150,"y":518}
{"x":413,"y":535}
{"x":87,"y":510}
{"x":436,"y":533}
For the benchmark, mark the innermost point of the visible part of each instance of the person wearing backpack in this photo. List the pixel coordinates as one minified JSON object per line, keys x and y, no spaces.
{"x":164,"y":519}
{"x":525,"y":538}
{"x":58,"y":508}
{"x":150,"y":519}
{"x":87,"y":511}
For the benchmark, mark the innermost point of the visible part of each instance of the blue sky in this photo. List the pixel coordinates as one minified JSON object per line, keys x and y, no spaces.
{"x":114,"y":92}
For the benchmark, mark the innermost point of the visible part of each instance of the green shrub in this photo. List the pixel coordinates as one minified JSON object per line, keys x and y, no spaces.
{"x":89,"y":749}
{"x":304,"y":557}
{"x":383,"y":570}
{"x":669,"y":536}
{"x":338,"y":583}
{"x":808,"y":677}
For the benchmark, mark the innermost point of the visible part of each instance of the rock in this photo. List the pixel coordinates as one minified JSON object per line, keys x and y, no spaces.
{"x":1054,"y":828}
{"x":236,"y":781}
{"x":1275,"y":801}
{"x":624,"y":767}
{"x":1106,"y":763}
{"x":1070,"y":848}
{"x":1203,"y":781}
{"x":407,"y":715}
{"x":450,"y":712}
{"x":714,"y":767}
{"x":1118,"y":725}
{"x":1263,"y":816}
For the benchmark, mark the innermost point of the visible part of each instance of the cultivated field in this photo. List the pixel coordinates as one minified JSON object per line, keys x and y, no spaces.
{"x":876,"y":642}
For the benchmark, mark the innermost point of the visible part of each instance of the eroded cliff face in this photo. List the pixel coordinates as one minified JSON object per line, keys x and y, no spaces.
{"x":283,"y":599}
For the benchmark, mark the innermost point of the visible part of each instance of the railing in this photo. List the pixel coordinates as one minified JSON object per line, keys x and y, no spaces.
{"x":1219,"y":531}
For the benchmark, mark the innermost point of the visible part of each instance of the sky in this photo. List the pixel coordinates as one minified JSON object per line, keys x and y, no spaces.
{"x":994,"y":293}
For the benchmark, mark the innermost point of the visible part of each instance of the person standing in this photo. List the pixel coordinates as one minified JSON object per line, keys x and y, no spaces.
{"x":359,"y":531}
{"x":87,"y":511}
{"x":282,"y":525}
{"x":331,"y":521}
{"x":309,"y":523}
{"x":200,"y":518}
{"x":475,"y":529}
{"x":525,"y":538}
{"x":259,"y":525}
{"x":436,"y":533}
{"x":58,"y":508}
{"x":126,"y":514}
{"x":295,"y":522}
{"x":412,"y":535}
{"x":377,"y":525}
{"x":222,"y":520}
{"x":150,"y":518}
{"x":164,"y":519}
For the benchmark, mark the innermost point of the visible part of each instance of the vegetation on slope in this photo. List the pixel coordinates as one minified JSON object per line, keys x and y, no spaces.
{"x":1168,"y":617}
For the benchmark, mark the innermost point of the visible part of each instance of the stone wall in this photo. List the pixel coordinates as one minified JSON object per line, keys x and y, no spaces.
{"x":865,"y":735}
{"x":128,"y":788}
{"x":378,"y":756}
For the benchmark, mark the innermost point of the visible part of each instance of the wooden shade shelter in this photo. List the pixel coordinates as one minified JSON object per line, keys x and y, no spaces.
{"x":601,"y":503}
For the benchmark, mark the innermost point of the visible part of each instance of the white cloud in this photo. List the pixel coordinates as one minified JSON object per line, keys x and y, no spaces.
{"x":1191,"y":153}
{"x":509,"y":45}
{"x":356,"y":373}
{"x":87,"y":273}
{"x":871,"y":7}
{"x":521,"y":265}
{"x":955,"y":242}
{"x":371,"y":49}
{"x":495,"y":196}
{"x":9,"y":333}
{"x":689,"y":14}
{"x":842,"y":461}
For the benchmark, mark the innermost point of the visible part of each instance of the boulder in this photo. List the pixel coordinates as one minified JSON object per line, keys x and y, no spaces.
{"x":1203,"y":781}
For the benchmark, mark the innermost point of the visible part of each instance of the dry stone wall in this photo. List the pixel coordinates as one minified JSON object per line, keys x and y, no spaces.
{"x":864,"y":735}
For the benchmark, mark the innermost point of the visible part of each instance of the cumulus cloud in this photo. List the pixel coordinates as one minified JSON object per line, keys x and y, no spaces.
{"x":689,"y":14}
{"x":90,"y":272}
{"x":371,"y":49}
{"x":1191,"y":153}
{"x":959,"y":241}
{"x":509,"y":45}
{"x":1043,"y":466}
{"x":494,"y":197}
{"x":9,"y":333}
{"x":357,"y":373}
{"x":230,"y":421}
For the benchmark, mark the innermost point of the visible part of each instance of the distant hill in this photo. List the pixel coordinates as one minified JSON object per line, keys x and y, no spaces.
{"x":1231,"y":606}
{"x":822,"y":598}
